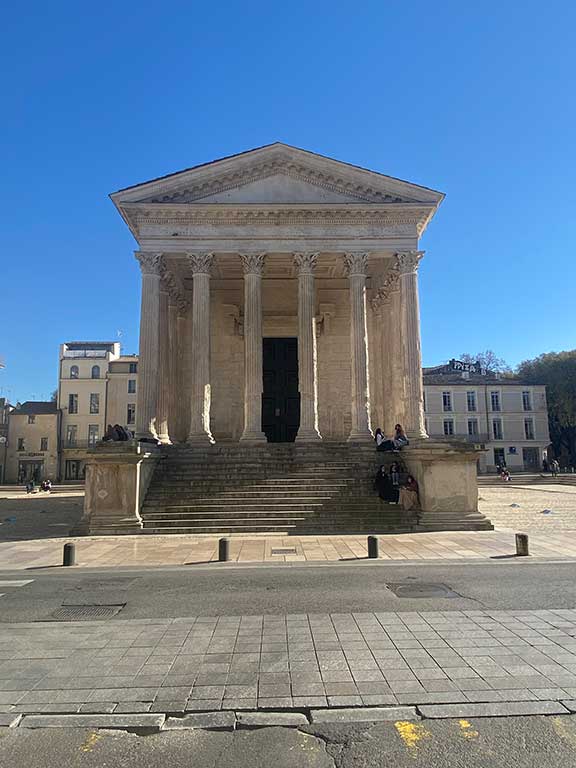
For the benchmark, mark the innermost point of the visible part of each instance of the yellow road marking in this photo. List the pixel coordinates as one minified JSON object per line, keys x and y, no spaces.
{"x":411,"y":733}
{"x":560,"y":725}
{"x":90,"y":742}
{"x":467,"y":730}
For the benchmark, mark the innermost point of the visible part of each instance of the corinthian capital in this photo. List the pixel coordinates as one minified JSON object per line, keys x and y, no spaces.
{"x":200,"y":263}
{"x":305,"y":263}
{"x":253,"y":263}
{"x":356,"y":263}
{"x":408,"y":261}
{"x":150,"y":263}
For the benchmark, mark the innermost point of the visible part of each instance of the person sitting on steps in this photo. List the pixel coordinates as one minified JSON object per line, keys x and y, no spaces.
{"x":391,"y":444}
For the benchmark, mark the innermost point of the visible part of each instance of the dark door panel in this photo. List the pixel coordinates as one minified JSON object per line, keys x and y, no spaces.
{"x":281,"y":399}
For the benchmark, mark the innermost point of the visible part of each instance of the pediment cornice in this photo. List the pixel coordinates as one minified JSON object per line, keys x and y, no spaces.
{"x":197,"y":184}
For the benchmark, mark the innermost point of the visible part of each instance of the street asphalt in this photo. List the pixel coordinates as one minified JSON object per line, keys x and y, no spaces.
{"x":536,"y":742}
{"x":220,"y":589}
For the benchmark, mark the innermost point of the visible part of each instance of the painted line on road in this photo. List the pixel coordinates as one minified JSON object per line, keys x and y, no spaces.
{"x":15,"y":583}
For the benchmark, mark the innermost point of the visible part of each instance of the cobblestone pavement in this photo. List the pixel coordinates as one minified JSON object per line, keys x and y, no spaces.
{"x":289,"y":661}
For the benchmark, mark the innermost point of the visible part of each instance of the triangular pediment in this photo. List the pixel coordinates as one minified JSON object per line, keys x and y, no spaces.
{"x":276,"y":174}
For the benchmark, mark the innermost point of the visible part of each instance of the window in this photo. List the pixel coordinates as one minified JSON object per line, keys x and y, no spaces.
{"x":446,"y":401}
{"x":131,"y":414}
{"x":21,"y":444}
{"x":497,"y":429}
{"x":529,"y":429}
{"x":471,"y":400}
{"x":31,"y":419}
{"x":131,"y":386}
{"x":495,"y":400}
{"x":526,"y":400}
{"x":74,"y":372}
{"x":43,"y":443}
{"x":72,"y":403}
{"x":95,"y":371}
{"x":448,"y":426}
{"x":472,"y":426}
{"x":133,"y":367}
{"x":71,"y":435}
{"x":95,"y":403}
{"x":93,"y":434}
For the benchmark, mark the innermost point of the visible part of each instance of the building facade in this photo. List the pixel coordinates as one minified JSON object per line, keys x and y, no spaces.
{"x":504,"y":414}
{"x":5,"y":409}
{"x":97,"y":386}
{"x":32,"y":449}
{"x":279,"y":300}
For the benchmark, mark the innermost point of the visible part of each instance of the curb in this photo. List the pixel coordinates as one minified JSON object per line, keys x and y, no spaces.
{"x":231,"y":721}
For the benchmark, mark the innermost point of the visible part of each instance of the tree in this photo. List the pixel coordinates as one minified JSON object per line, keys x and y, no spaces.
{"x":557,"y":370}
{"x":54,"y":396}
{"x":488,"y":360}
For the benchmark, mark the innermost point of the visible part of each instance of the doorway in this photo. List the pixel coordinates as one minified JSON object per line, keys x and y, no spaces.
{"x":280,"y":399}
{"x":531,"y":458}
{"x":30,"y":470}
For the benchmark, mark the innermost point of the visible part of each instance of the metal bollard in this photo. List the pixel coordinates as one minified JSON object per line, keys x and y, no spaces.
{"x":223,"y":550}
{"x":372,"y":546}
{"x":522,"y":545}
{"x":69,"y":557}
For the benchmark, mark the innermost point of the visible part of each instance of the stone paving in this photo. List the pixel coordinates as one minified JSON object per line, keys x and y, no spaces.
{"x":203,"y":663}
{"x":110,"y":551}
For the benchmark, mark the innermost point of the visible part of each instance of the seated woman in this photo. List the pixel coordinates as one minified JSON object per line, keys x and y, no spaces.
{"x":387,"y":489}
{"x":394,"y":443}
{"x":409,"y":494}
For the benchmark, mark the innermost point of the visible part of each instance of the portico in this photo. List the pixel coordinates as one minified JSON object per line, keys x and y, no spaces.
{"x":278,"y":243}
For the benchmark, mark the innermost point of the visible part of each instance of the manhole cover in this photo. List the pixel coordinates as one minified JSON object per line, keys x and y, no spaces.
{"x":421,"y":590}
{"x":85,"y":612}
{"x":285,"y":551}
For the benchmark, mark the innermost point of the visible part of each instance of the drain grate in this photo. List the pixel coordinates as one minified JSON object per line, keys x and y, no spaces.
{"x":85,"y":612}
{"x":422,"y":590}
{"x":285,"y":551}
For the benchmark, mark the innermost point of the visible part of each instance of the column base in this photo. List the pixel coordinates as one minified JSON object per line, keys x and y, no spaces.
{"x":200,"y":438}
{"x":360,"y":437}
{"x":308,"y":436}
{"x":253,"y":437}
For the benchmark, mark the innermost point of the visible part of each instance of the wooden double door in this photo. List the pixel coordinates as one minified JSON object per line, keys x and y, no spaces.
{"x":281,"y":398}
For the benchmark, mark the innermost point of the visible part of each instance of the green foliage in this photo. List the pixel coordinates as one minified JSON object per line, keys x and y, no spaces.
{"x":557,"y":370}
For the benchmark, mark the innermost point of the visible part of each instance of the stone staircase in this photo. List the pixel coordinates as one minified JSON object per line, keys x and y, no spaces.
{"x":274,"y":488}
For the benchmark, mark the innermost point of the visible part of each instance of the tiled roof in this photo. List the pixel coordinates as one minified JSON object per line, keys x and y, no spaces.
{"x":36,"y":408}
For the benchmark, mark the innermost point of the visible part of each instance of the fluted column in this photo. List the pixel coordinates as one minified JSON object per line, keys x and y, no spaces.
{"x":163,"y":367}
{"x":147,"y":396}
{"x":253,"y":265}
{"x":173,"y":388}
{"x":307,"y":359}
{"x":183,"y":369}
{"x":378,"y":361}
{"x":396,"y":413}
{"x":357,"y":266}
{"x":200,"y":264}
{"x":411,"y":353}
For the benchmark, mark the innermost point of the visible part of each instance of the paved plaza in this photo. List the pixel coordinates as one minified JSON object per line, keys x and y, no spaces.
{"x":299,"y":661}
{"x":33,"y":531}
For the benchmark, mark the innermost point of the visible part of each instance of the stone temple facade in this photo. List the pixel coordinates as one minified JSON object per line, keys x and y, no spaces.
{"x":279,"y":327}
{"x":279,"y":299}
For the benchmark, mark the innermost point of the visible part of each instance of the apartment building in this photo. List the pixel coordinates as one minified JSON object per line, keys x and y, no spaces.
{"x":506,"y":415}
{"x":97,"y":386}
{"x":32,"y":445}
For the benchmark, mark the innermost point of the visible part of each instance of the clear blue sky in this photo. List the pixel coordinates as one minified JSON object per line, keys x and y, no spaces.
{"x":473,"y":99}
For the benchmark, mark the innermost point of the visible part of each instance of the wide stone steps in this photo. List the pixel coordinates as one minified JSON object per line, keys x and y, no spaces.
{"x":270,"y":489}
